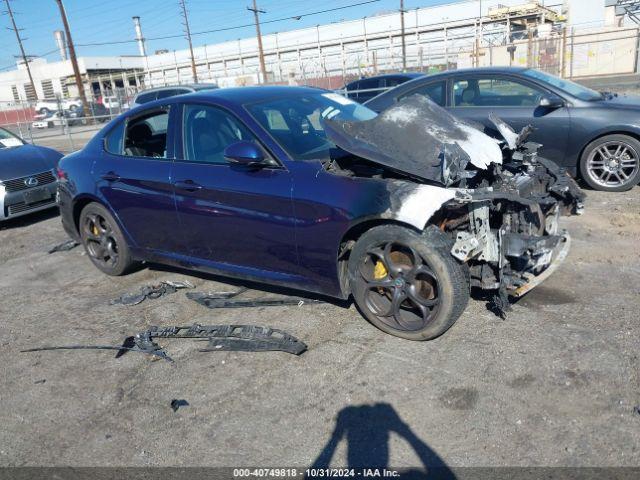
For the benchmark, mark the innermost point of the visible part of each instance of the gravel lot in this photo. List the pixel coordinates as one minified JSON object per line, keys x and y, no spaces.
{"x":556,"y":384}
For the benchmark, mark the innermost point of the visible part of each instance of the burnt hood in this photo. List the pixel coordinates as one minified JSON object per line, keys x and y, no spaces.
{"x":418,"y":138}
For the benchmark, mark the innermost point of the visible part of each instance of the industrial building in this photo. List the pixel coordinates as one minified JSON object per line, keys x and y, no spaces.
{"x":555,"y":36}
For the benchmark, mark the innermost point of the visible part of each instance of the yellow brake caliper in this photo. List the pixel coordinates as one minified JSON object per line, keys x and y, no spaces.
{"x":379,"y":271}
{"x":94,"y":230}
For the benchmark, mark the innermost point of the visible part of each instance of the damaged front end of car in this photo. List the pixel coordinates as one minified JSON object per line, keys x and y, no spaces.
{"x":498,"y":202}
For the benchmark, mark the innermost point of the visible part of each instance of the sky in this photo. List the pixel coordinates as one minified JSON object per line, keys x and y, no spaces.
{"x":107,"y":21}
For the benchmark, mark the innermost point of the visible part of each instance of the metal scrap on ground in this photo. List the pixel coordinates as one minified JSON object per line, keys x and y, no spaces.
{"x":165,"y":287}
{"x":247,"y":338}
{"x":64,"y":246}
{"x":176,"y":404}
{"x":244,"y":338}
{"x":228,"y":300}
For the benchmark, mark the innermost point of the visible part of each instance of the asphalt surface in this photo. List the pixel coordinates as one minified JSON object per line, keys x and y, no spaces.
{"x":555,"y":384}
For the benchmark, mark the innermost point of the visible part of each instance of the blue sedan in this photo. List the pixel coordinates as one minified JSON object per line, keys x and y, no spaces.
{"x":591,"y":133}
{"x":307,"y":189}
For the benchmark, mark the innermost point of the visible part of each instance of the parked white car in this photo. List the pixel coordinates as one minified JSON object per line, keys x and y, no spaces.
{"x":53,"y":105}
{"x":111,"y":102}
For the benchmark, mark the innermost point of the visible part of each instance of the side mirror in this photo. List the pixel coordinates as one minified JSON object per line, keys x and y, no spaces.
{"x":551,"y":101}
{"x":244,"y":153}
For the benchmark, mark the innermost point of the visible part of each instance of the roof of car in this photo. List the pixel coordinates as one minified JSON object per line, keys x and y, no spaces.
{"x":391,"y":75}
{"x":254,"y":94}
{"x":194,"y":86}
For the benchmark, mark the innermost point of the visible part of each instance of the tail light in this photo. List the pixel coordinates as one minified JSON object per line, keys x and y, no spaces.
{"x":61,"y":174}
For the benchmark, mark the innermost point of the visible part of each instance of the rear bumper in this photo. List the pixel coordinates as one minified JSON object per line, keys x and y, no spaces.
{"x":66,"y":212}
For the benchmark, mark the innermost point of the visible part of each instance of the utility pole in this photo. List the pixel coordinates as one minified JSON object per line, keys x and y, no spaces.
{"x":404,"y":45}
{"x":24,"y":56}
{"x":188,"y":32}
{"x":255,"y":10}
{"x":74,"y":60}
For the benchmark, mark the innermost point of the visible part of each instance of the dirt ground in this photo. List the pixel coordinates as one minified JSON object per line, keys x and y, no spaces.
{"x":555,"y":384}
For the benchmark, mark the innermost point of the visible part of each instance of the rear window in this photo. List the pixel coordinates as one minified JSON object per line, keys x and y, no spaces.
{"x":146,"y":97}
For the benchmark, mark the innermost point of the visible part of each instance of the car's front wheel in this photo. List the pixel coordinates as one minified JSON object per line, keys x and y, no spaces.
{"x":103,"y":240}
{"x":611,"y":163}
{"x":407,"y":284}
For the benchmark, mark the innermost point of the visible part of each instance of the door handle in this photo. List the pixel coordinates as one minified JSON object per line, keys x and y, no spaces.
{"x":110,"y":177}
{"x":188,"y":185}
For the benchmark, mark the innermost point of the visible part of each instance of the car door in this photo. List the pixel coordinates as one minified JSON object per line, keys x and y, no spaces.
{"x":133,"y":177}
{"x":237,"y":217}
{"x":516,"y":101}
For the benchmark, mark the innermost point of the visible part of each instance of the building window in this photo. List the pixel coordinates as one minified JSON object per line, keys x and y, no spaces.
{"x":47,"y":89}
{"x":14,"y":91}
{"x":65,"y":89}
{"x":30,"y":92}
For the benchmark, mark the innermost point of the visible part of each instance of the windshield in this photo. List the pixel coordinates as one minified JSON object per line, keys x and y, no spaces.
{"x":573,"y":89}
{"x":296,"y":122}
{"x":8,"y":139}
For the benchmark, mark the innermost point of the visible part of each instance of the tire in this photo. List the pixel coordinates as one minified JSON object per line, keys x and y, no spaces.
{"x":73,"y":107}
{"x":103,"y":241}
{"x":44,"y":111}
{"x":611,"y":163}
{"x":430,"y":286}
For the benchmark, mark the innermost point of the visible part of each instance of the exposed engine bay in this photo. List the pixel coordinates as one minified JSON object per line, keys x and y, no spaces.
{"x":497,"y":200}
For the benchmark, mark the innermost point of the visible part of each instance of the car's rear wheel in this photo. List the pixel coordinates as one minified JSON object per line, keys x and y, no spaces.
{"x":103,"y":241}
{"x":611,"y":163}
{"x":45,"y":111}
{"x":407,"y":284}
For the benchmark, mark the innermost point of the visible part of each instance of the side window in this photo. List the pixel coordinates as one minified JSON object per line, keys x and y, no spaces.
{"x":494,"y":92}
{"x":435,"y":91}
{"x":113,"y":141}
{"x":276,"y":120}
{"x":393,"y":81}
{"x":207,"y":131}
{"x":167,"y":93}
{"x":146,"y":97}
{"x":146,"y":136}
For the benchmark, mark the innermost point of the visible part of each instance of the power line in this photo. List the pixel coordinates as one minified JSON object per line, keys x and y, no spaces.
{"x":74,"y":60}
{"x":255,"y":11}
{"x":24,"y":56}
{"x":183,"y":7}
{"x":291,"y":17}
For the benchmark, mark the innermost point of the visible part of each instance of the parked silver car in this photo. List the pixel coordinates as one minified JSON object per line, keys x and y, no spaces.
{"x":27,"y":176}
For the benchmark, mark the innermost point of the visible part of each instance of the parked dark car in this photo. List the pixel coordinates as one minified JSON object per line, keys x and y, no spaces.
{"x":250,"y":183}
{"x":583,"y":130}
{"x":367,"y":88}
{"x":27,"y":176}
{"x":159,"y":93}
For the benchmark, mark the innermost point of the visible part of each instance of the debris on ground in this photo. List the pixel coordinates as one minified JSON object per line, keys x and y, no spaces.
{"x":636,"y":409}
{"x":228,"y":300}
{"x":246,"y":338}
{"x":499,"y":304}
{"x":40,"y":381}
{"x":98,"y":347}
{"x":176,"y":404}
{"x":165,"y":287}
{"x":64,"y":246}
{"x":220,"y":338}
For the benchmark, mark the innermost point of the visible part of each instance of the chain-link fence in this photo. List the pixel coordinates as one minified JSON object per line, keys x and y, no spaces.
{"x":575,"y":53}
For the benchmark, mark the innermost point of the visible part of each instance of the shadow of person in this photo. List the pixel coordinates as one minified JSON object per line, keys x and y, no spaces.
{"x":366,"y":429}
